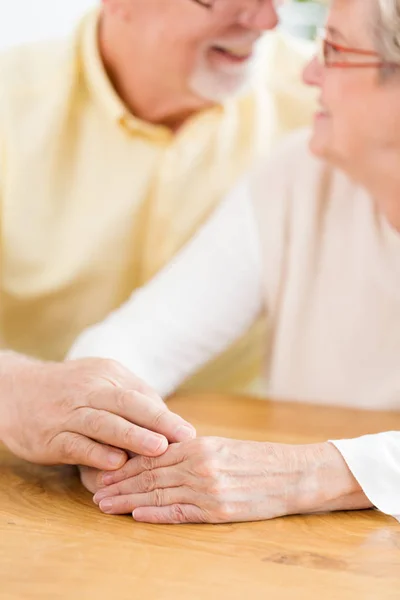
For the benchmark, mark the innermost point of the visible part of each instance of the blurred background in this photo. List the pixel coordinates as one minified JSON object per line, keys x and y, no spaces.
{"x":28,"y":20}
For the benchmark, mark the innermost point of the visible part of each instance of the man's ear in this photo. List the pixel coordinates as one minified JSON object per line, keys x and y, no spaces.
{"x":120,"y":8}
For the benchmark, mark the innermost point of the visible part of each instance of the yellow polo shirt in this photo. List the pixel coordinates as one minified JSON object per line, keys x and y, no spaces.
{"x":95,"y":201}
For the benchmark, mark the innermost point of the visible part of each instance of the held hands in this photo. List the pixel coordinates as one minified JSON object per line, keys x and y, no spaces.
{"x":96,"y":413}
{"x":87,"y":412}
{"x":215,"y":480}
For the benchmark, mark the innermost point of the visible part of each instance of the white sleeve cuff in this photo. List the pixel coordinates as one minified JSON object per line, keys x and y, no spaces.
{"x":374,"y":460}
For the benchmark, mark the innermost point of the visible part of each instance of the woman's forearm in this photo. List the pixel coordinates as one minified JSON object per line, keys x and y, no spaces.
{"x":330,"y":485}
{"x":351,"y":474}
{"x":374,"y":461}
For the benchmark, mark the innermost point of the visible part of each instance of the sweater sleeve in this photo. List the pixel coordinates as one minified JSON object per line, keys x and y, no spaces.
{"x":374,"y":461}
{"x":193,"y":309}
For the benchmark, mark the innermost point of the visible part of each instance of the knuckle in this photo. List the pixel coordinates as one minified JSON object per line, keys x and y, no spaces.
{"x":203,"y":445}
{"x":207,"y":467}
{"x":114,"y":365}
{"x":140,"y":383}
{"x":118,"y":490}
{"x":95,"y":421}
{"x":67,"y":403}
{"x":119,"y":375}
{"x":178,"y":514}
{"x":106,"y":369}
{"x":159,"y":416}
{"x":217,"y":489}
{"x":129,"y":397}
{"x":88,"y":399}
{"x":158,"y":497}
{"x":147,"y":481}
{"x":124,"y":472}
{"x":224,"y":512}
{"x":125,"y":505}
{"x":90,"y":452}
{"x":84,"y":372}
{"x":128,"y":437}
{"x":69,"y":448}
{"x":108,"y":365}
{"x":147,"y":463}
{"x":120,"y":400}
{"x":140,"y":387}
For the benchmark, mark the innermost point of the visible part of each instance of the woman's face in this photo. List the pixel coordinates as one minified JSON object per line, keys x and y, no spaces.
{"x":358,"y":124}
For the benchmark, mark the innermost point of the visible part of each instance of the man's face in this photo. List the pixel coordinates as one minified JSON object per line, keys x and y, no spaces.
{"x":207,"y":51}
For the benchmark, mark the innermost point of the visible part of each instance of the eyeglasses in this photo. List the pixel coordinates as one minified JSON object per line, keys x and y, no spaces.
{"x":334,"y":56}
{"x":226,"y":5}
{"x":206,"y":3}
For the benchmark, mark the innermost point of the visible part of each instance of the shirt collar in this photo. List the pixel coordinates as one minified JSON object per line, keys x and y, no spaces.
{"x":102,"y":90}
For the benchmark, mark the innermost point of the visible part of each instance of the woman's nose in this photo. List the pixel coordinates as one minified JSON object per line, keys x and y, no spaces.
{"x":312,"y":74}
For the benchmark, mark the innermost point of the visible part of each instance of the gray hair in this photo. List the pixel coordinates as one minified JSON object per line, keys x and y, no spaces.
{"x":388,"y":30}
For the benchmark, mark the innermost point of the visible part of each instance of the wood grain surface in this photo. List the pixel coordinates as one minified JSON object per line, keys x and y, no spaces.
{"x":54,"y":543}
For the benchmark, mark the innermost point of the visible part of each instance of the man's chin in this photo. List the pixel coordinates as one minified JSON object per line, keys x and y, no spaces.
{"x":219,"y":88}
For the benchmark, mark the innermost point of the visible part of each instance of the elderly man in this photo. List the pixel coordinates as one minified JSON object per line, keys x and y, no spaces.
{"x":115,"y":146}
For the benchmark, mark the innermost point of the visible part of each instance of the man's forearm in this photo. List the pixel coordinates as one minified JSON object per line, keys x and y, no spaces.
{"x":10,"y":371}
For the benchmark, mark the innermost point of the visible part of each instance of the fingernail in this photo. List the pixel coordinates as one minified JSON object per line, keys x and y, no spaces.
{"x":185,"y":432}
{"x":154,"y":443}
{"x":116,"y":459}
{"x":99,"y":496}
{"x":107,"y":479}
{"x":106,"y":505}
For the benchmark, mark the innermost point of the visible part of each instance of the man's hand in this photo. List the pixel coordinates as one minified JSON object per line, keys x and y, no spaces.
{"x":214,"y":480}
{"x":91,"y":479}
{"x":83,"y":412}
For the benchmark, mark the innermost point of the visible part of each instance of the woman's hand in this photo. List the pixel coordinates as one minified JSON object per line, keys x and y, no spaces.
{"x":215,"y":480}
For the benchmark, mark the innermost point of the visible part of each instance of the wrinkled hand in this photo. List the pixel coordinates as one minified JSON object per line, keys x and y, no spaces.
{"x":92,"y":479}
{"x":213,"y":480}
{"x":82,"y":412}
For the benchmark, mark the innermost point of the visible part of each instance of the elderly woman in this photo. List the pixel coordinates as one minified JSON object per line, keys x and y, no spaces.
{"x":325,"y":266}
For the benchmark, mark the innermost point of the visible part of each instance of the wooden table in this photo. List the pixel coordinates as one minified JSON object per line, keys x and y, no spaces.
{"x":54,"y":543}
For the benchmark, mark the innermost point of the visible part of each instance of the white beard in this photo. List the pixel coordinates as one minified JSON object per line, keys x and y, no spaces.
{"x":217,"y":85}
